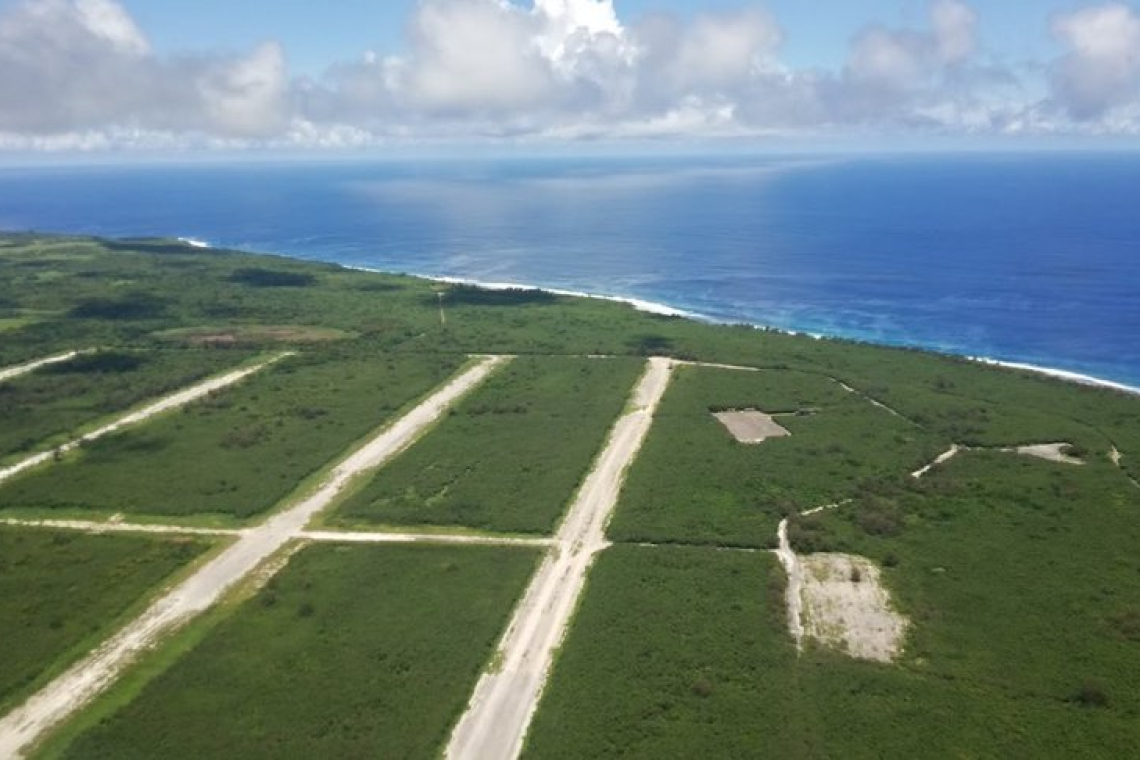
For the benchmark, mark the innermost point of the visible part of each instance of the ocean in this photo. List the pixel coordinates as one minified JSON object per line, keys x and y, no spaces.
{"x":1031,"y":258}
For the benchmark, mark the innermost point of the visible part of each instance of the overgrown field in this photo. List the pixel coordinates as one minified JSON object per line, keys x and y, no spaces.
{"x":510,"y":457}
{"x":60,"y":593}
{"x":986,"y":406}
{"x":1021,"y":576}
{"x":683,"y":652}
{"x":675,"y":652}
{"x":47,"y":407}
{"x":349,"y":652}
{"x":239,"y":451}
{"x":694,"y":483}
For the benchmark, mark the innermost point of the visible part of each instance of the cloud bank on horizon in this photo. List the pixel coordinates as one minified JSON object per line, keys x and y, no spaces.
{"x":82,"y":74}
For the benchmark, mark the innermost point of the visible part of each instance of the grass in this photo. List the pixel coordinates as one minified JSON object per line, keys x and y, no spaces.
{"x":683,"y":652}
{"x":349,"y":652}
{"x":694,"y":483}
{"x":240,"y":451}
{"x":10,"y":324}
{"x":60,"y":593}
{"x":510,"y":457}
{"x":48,"y":407}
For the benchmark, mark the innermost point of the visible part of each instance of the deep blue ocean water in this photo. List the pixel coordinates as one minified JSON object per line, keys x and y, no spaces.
{"x":1032,"y":258}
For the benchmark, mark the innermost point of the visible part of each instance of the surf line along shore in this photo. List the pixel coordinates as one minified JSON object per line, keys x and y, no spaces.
{"x":93,"y":674}
{"x":504,"y":701}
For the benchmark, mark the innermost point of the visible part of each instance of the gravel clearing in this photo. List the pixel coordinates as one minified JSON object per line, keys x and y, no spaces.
{"x":846,"y":607}
{"x":750,"y":426}
{"x":1050,"y":452}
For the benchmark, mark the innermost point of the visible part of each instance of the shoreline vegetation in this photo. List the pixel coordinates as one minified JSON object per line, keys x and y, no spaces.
{"x":412,"y":411}
{"x":668,"y":310}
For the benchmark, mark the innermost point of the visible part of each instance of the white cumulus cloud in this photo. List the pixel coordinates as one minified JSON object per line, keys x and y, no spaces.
{"x":1101,"y":69}
{"x":83,"y":74}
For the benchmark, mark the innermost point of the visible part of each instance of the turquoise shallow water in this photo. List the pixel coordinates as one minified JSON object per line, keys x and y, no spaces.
{"x":1031,"y":258}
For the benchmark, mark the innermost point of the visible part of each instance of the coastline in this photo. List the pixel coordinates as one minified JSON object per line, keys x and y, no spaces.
{"x":1078,"y":378}
{"x":665,"y":310}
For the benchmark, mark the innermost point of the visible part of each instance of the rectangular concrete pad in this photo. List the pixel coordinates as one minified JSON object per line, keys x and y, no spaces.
{"x":751,"y":426}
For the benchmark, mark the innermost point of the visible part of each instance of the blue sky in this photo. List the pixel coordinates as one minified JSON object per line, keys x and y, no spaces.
{"x":97,"y":75}
{"x":317,"y":35}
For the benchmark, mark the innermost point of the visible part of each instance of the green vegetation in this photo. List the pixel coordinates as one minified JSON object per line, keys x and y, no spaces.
{"x":694,"y":483}
{"x":349,"y":652}
{"x":240,"y":335}
{"x":61,"y":592}
{"x":1009,"y":566}
{"x":240,"y":451}
{"x":683,"y":652}
{"x":47,"y":407}
{"x":675,"y":652}
{"x":511,"y":456}
{"x":1020,"y":576}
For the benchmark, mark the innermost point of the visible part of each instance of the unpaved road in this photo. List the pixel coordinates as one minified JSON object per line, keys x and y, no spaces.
{"x":23,"y":369}
{"x":315,"y":536}
{"x":93,"y":526}
{"x":793,"y":594}
{"x":504,"y":701}
{"x":86,"y":679}
{"x":942,"y":458}
{"x":173,"y":401}
{"x":354,"y":537}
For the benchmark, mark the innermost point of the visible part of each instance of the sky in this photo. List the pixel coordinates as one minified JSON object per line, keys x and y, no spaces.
{"x":214,"y":75}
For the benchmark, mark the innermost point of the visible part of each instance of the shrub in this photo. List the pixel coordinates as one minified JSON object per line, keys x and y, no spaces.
{"x":879,"y":518}
{"x":139,"y":306}
{"x":271,"y":278}
{"x":1091,"y":694}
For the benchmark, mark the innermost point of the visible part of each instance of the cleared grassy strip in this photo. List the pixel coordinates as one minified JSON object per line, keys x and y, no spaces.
{"x":238,"y":452}
{"x":510,"y":457}
{"x":1020,"y":576}
{"x":349,"y":652}
{"x":683,"y":652}
{"x":694,"y":483}
{"x":60,"y":592}
{"x":47,"y":406}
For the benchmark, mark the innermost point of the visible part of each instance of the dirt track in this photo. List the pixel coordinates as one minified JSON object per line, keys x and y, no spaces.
{"x":173,"y":401}
{"x":23,"y":369}
{"x":942,"y":458}
{"x":504,"y":700}
{"x":90,"y":676}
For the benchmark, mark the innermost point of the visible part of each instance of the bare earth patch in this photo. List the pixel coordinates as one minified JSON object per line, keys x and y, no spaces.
{"x":846,"y":607}
{"x":1051,"y":452}
{"x":751,"y":426}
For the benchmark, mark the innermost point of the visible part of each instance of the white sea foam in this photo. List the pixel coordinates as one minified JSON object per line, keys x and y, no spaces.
{"x":194,"y":242}
{"x":653,"y":307}
{"x":1061,"y":374}
{"x":650,"y":307}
